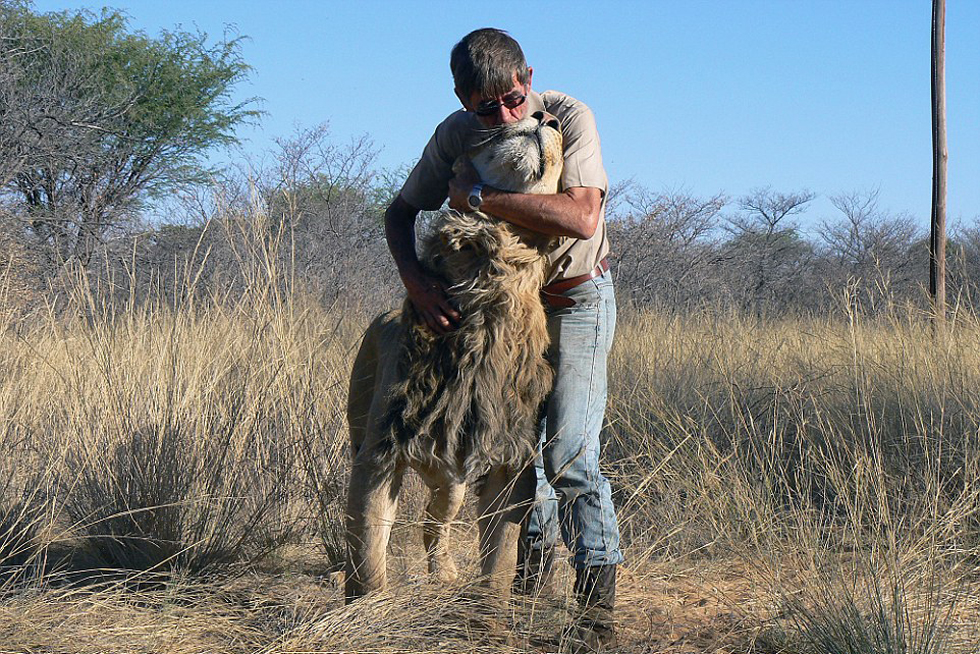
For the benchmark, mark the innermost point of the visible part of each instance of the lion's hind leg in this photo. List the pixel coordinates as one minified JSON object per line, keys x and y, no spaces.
{"x":445,"y":501}
{"x":366,"y":380}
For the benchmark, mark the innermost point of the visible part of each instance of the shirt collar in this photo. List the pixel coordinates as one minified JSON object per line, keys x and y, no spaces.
{"x":534,"y":102}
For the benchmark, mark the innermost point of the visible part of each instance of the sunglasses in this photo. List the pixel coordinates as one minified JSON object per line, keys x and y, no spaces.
{"x":490,"y":107}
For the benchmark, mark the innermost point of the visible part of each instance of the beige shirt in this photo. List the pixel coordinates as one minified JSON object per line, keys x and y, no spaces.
{"x":427,"y":187}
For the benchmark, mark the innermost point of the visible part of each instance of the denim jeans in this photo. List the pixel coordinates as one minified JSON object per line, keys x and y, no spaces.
{"x":571,"y":492}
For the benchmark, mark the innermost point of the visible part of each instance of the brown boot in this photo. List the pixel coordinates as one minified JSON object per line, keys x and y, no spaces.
{"x":595,"y":627}
{"x":535,"y":570}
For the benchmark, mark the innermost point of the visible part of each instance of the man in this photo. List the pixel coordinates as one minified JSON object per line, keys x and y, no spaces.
{"x":493,"y":83}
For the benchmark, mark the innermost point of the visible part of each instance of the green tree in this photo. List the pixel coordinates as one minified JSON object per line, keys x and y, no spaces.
{"x":95,"y":119}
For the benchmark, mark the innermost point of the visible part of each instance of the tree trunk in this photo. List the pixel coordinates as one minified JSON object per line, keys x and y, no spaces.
{"x":937,"y":244}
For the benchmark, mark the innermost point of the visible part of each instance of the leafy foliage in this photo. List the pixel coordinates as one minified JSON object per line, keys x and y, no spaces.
{"x":95,"y":118}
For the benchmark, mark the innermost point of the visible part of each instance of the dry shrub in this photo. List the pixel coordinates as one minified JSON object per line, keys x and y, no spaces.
{"x":852,"y":442}
{"x":327,"y":471}
{"x":177,"y":422}
{"x":406,"y":618}
{"x":739,"y":429}
{"x":180,"y":618}
{"x":173,"y":440}
{"x":873,"y":604}
{"x":20,"y":271}
{"x":194,"y":492}
{"x":27,"y":500}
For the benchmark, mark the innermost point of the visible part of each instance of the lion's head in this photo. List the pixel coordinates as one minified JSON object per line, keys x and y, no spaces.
{"x":522,"y":157}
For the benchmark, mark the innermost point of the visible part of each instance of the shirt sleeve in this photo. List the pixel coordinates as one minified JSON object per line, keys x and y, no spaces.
{"x":427,"y":186}
{"x":582,"y":152}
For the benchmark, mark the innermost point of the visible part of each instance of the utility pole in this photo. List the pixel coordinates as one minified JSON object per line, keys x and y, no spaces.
{"x":937,"y":241}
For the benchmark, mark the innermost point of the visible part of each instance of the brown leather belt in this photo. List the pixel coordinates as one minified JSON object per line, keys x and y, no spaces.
{"x":551,"y":293}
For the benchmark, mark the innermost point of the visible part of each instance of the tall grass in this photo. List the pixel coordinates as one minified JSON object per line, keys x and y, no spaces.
{"x":173,"y":425}
{"x":843,"y":450}
{"x":835,"y":459}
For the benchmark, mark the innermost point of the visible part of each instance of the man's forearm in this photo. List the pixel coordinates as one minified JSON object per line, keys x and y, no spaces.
{"x":573,"y":213}
{"x":400,"y":234}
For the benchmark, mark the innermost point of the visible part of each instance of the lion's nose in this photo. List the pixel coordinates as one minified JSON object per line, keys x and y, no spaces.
{"x":545,"y":118}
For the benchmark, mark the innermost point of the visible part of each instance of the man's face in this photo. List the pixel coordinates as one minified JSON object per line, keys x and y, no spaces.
{"x":501,"y":114}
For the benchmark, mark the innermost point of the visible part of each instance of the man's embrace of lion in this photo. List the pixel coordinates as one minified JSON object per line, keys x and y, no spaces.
{"x":460,"y":407}
{"x":493,"y":83}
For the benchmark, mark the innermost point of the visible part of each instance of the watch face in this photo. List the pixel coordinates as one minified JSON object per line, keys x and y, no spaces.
{"x":475,"y":199}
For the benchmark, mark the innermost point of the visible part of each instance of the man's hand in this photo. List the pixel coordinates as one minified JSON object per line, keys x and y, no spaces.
{"x":429,"y":297}
{"x":427,"y":294}
{"x":461,"y":185}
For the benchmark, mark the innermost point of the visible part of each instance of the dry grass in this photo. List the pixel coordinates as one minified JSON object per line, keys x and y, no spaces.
{"x":801,"y":486}
{"x":837,"y":458}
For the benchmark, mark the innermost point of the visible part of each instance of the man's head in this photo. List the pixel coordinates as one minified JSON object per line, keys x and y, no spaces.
{"x":492,"y":77}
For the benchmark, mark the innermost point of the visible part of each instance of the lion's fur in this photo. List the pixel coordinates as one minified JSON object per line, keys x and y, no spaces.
{"x":469,"y":400}
{"x":472,"y":396}
{"x":465,"y":405}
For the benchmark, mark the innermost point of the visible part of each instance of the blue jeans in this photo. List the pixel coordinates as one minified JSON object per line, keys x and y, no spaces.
{"x":571,"y":492}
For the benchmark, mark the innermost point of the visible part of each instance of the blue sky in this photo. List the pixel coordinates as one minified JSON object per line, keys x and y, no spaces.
{"x":696,"y":95}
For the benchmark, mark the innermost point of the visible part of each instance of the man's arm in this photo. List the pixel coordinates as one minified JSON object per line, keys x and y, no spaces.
{"x":574,"y":212}
{"x":426,"y":293}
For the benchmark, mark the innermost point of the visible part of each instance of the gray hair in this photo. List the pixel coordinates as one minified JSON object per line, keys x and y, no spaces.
{"x":485,"y":62}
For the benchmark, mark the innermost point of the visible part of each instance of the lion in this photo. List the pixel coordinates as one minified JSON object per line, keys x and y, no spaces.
{"x":462,"y":407}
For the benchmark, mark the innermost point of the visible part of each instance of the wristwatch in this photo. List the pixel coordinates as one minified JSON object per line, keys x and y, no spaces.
{"x":475,"y":198}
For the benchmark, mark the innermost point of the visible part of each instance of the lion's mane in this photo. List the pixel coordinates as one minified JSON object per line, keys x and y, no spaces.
{"x":470,"y":399}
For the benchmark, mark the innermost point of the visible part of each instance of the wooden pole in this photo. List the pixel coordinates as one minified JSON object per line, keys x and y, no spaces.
{"x":937,"y":242}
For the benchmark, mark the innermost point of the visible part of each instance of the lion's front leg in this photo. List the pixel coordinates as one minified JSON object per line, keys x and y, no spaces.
{"x":444,"y":504}
{"x":504,"y":500}
{"x":371,"y":503}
